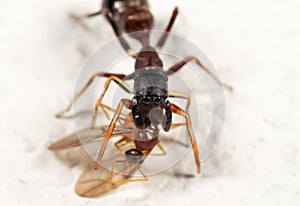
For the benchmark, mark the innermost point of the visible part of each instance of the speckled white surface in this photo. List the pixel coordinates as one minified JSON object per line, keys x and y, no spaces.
{"x":255,"y":46}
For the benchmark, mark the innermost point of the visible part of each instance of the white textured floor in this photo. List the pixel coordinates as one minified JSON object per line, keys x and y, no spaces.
{"x":255,"y":46}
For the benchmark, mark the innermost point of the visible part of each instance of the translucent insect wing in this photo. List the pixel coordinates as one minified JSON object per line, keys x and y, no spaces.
{"x":87,"y":136}
{"x":94,"y":183}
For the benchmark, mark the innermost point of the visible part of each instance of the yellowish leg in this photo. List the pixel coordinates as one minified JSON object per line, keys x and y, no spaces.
{"x":183,"y":96}
{"x":175,"y":125}
{"x":99,"y":100}
{"x":124,"y":141}
{"x":84,"y":88}
{"x":111,"y":174}
{"x":144,"y":178}
{"x":124,"y":102}
{"x":160,"y":147}
{"x":175,"y":109}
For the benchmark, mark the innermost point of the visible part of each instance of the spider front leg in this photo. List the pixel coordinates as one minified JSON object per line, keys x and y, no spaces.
{"x":124,"y":102}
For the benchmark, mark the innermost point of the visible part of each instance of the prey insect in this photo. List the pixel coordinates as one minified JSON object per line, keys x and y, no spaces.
{"x":120,"y":168}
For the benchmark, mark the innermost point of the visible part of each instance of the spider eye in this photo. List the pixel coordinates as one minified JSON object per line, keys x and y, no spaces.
{"x":146,"y":99}
{"x":157,"y":100}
